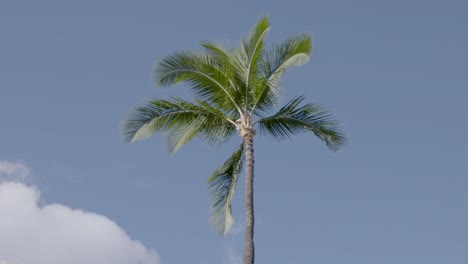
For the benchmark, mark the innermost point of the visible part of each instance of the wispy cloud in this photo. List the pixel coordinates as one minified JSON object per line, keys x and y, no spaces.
{"x":237,"y":230}
{"x":232,"y":256}
{"x":14,"y":171}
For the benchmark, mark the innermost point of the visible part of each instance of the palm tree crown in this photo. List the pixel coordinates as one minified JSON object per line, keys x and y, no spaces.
{"x":234,"y":90}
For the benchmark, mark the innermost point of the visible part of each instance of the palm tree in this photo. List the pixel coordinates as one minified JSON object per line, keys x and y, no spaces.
{"x":235,"y":90}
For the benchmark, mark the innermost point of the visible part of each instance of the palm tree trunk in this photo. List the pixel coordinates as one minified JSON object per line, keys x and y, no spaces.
{"x":249,"y":251}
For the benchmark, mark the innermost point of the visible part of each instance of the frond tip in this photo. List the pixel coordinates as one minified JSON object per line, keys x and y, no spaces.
{"x":222,"y":185}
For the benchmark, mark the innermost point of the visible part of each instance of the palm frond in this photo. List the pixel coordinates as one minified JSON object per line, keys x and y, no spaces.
{"x":183,"y":120}
{"x":253,"y":47}
{"x":212,"y":125}
{"x":222,"y":185}
{"x":292,"y":52}
{"x":294,"y":118}
{"x":185,"y":133}
{"x":231,"y":62}
{"x":215,"y":49}
{"x":208,"y":78}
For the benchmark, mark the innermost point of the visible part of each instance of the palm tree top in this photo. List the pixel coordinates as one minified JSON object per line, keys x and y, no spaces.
{"x":234,"y":90}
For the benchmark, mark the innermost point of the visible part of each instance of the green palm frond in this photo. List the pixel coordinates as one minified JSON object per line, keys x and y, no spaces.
{"x":183,"y":120}
{"x":216,"y":50}
{"x":294,"y":51}
{"x":212,"y":125}
{"x":294,"y":118}
{"x":208,"y":78}
{"x":233,"y":68}
{"x":253,"y":47}
{"x":254,"y":43}
{"x":222,"y":185}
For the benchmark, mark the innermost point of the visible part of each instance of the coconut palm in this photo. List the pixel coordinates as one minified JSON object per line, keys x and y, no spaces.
{"x":235,"y":91}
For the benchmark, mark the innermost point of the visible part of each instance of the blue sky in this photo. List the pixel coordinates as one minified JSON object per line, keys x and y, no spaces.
{"x":393,"y":72}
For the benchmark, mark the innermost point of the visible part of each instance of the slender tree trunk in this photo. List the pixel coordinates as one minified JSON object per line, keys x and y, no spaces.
{"x":249,"y":251}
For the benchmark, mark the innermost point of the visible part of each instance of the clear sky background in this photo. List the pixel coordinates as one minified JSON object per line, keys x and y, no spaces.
{"x":395,"y":73}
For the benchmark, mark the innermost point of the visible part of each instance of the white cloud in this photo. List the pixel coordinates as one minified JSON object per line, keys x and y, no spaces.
{"x":17,"y":171}
{"x":56,"y":234}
